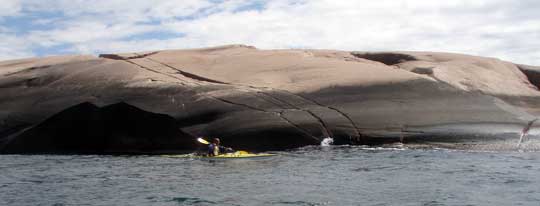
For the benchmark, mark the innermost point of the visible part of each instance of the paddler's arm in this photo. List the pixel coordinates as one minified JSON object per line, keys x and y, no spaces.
{"x":223,"y":149}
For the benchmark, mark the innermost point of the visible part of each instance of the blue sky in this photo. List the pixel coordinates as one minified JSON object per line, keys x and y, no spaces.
{"x":504,"y":29}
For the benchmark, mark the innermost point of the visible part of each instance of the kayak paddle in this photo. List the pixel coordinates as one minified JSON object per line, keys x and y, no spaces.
{"x":201,"y":140}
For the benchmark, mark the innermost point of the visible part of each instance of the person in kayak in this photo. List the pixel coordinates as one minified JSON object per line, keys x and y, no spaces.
{"x":215,"y":149}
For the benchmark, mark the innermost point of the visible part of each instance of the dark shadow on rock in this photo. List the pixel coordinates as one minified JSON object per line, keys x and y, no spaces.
{"x":532,"y":73}
{"x":437,"y":112}
{"x":88,"y":129}
{"x":385,"y":57}
{"x":268,"y":139}
{"x":260,"y":131}
{"x":408,"y":112}
{"x":201,"y":118}
{"x":423,"y":70}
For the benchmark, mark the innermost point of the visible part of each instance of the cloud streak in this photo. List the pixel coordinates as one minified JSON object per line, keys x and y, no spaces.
{"x":499,"y":28}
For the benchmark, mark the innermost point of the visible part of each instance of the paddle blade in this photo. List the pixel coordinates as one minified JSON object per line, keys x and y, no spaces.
{"x":201,"y":140}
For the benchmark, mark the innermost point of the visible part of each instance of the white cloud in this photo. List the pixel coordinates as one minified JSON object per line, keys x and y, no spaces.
{"x":499,"y":28}
{"x":9,"y":8}
{"x":12,"y":47}
{"x":85,"y":32}
{"x":120,"y":11}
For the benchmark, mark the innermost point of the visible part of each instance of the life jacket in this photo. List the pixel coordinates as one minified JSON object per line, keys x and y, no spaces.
{"x":216,"y":150}
{"x":213,"y":150}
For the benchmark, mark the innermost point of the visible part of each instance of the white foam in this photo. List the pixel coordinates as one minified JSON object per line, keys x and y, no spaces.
{"x":327,"y":142}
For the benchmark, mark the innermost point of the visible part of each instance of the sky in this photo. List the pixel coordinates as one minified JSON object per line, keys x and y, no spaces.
{"x":505,"y":29}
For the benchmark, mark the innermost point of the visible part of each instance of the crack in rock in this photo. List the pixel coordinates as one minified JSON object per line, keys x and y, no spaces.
{"x":260,"y":90}
{"x":230,"y":102}
{"x":187,"y":74}
{"x":331,"y":108}
{"x":120,"y":57}
{"x":158,"y":72}
{"x":325,"y":129}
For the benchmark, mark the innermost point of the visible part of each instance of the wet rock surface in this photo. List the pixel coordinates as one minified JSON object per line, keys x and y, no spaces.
{"x":158,"y":102}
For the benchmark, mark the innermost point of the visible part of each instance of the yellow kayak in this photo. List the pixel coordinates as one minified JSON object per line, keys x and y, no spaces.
{"x":237,"y":154}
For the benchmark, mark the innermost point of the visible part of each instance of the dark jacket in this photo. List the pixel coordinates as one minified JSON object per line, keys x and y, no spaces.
{"x":222,"y":149}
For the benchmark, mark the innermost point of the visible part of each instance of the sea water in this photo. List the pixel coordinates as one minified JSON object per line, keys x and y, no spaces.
{"x":335,"y":175}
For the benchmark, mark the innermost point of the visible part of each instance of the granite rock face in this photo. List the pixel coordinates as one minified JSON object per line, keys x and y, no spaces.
{"x":263,"y":100}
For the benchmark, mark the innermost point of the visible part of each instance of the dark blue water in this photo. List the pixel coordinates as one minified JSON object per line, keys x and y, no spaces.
{"x":308,"y":176}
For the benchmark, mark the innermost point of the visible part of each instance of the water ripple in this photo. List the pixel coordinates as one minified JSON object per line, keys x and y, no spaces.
{"x":340,"y":175}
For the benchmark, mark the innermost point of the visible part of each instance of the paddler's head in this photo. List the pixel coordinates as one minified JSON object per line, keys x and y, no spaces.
{"x":216,"y":141}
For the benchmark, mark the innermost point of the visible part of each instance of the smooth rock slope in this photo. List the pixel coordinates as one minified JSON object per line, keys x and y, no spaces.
{"x":263,"y":100}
